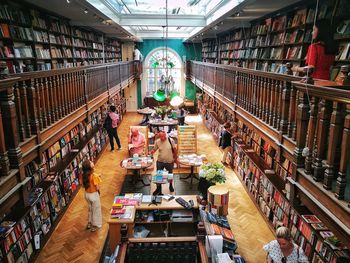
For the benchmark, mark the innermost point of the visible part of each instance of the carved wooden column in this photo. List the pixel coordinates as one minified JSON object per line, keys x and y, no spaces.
{"x":68,"y":91}
{"x":47,"y":101}
{"x":260,"y":98}
{"x":302,"y":123}
{"x":344,"y":157}
{"x":38,"y":103}
{"x":4,"y":160}
{"x":279,"y":105}
{"x":311,"y":133}
{"x":275,"y":99}
{"x":333,"y":143}
{"x":52,"y":95}
{"x":291,"y":115}
{"x":253,"y":94}
{"x":268,"y":100}
{"x":256,"y":96}
{"x":20,"y":120}
{"x":62,"y":95}
{"x":33,"y":110}
{"x":272,"y":112}
{"x":322,"y":133}
{"x":263,"y":99}
{"x":25,"y":109}
{"x":43,"y":101}
{"x":56,"y":97}
{"x":285,"y":107}
{"x":9,"y":122}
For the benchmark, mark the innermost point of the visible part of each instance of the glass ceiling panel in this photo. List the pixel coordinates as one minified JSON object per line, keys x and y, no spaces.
{"x":157,"y":7}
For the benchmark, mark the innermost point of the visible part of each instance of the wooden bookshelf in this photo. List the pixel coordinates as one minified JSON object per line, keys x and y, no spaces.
{"x":32,"y":40}
{"x":187,"y":139}
{"x":278,"y":38}
{"x":53,"y":184}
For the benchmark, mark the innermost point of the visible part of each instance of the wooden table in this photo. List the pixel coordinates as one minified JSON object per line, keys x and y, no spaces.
{"x":146,"y":113}
{"x":161,"y":123}
{"x":115,"y":223}
{"x":195,"y":161}
{"x":131,"y":164}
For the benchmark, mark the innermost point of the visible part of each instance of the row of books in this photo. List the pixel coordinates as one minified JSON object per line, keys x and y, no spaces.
{"x":21,"y":238}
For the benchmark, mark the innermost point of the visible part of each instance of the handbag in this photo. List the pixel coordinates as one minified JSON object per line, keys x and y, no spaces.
{"x":173,"y":150}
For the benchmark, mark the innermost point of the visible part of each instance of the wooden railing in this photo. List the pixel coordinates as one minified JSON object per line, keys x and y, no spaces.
{"x":267,"y":96}
{"x":323,"y":135}
{"x":315,"y":119}
{"x":32,"y":102}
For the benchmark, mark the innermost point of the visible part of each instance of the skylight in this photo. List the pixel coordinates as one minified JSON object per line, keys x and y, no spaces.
{"x":157,"y":7}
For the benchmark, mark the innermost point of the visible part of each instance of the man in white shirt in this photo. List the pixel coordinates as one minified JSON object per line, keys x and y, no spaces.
{"x":137,"y":54}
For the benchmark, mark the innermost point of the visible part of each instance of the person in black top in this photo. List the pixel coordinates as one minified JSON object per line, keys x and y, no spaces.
{"x":225,"y":141}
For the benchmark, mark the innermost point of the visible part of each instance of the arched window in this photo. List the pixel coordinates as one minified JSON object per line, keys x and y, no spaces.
{"x":155,"y":68}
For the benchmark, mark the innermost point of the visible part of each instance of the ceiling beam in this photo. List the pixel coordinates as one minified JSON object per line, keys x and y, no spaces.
{"x":158,"y":35}
{"x":159,"y":20}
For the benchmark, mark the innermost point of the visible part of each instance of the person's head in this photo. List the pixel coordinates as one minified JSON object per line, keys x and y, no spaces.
{"x":112,"y":108}
{"x":162,"y":136}
{"x":134,"y":132}
{"x":323,"y":32}
{"x":88,"y":167}
{"x":283,"y":237}
{"x":227,"y":125}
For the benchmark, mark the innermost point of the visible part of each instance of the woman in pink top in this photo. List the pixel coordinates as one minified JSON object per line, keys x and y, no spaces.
{"x":137,"y":140}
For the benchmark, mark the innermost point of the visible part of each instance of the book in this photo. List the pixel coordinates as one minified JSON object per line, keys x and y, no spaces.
{"x":311,"y":219}
{"x":146,"y":199}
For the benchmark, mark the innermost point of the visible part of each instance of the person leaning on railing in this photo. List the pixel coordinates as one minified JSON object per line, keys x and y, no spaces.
{"x":321,"y":53}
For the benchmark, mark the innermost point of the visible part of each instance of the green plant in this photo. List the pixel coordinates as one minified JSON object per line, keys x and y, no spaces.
{"x":160,"y":110}
{"x":213,"y":173}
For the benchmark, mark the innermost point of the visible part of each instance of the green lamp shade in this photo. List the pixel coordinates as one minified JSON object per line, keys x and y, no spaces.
{"x":174,"y":93}
{"x":159,"y":95}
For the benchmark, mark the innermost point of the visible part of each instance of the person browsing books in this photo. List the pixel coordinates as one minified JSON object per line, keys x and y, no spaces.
{"x":91,"y":183}
{"x":166,"y":157}
{"x":321,"y":53}
{"x":283,"y":250}
{"x":225,"y":141}
{"x":111,"y":124}
{"x":137,"y":141}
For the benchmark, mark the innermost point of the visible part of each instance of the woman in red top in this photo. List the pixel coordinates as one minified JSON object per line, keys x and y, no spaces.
{"x":321,"y":53}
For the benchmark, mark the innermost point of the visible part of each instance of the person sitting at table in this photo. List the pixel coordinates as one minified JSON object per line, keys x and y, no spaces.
{"x":137,"y":140}
{"x":166,"y":157}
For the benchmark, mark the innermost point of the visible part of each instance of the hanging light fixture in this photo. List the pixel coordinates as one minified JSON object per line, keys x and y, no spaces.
{"x":166,"y":81}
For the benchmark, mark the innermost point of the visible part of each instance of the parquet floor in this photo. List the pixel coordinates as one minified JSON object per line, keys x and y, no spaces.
{"x":70,"y":242}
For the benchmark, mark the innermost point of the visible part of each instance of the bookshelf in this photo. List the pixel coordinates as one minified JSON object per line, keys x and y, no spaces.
{"x":53,"y":181}
{"x":187,"y":139}
{"x":280,"y":37}
{"x":209,"y":50}
{"x":32,"y":40}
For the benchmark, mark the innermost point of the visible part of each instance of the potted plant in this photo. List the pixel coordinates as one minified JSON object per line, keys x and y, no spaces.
{"x":161,"y":111}
{"x":209,"y":175}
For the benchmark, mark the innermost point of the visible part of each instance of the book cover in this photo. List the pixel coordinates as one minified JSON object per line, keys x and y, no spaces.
{"x":311,"y":219}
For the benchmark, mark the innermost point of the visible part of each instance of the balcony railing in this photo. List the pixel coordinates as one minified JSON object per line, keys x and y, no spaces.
{"x":315,"y":118}
{"x":32,"y":102}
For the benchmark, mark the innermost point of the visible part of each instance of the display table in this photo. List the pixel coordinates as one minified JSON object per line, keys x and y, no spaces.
{"x":136,"y":164}
{"x":192,"y":160}
{"x":146,"y":112}
{"x":116,"y":223}
{"x":157,"y":123}
{"x":163,"y":178}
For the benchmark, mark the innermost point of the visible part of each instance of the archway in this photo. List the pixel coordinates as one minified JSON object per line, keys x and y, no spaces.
{"x":154,"y":67}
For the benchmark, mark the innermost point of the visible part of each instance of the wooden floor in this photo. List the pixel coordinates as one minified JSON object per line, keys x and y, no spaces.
{"x":70,"y":242}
